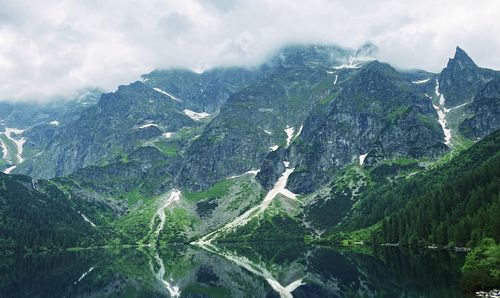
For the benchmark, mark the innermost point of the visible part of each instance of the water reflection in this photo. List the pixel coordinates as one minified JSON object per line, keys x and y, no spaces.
{"x":266,"y":270}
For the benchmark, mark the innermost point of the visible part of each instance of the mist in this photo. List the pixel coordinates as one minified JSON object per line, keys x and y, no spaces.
{"x":51,"y":49}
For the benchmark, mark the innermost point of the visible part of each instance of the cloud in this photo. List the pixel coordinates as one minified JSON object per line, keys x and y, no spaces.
{"x":55,"y":48}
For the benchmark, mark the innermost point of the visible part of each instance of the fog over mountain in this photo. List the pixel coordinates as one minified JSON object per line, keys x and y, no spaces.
{"x":50,"y":49}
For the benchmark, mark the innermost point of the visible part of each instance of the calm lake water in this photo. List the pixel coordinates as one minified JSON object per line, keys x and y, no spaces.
{"x":270,"y":270}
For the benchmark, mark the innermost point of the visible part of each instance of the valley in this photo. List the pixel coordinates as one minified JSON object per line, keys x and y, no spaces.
{"x":319,"y":145}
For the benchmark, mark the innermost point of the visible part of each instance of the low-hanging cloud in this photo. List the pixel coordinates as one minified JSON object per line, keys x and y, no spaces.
{"x":54,"y":48}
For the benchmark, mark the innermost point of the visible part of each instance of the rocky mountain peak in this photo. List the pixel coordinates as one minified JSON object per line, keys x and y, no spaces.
{"x":461,"y":79}
{"x":461,"y":59}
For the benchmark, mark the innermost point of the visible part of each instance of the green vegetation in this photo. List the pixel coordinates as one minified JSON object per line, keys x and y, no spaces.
{"x":329,"y":98}
{"x":482,"y":267}
{"x":133,"y":197}
{"x":134,"y":228}
{"x":32,"y":220}
{"x":209,"y":291}
{"x":177,"y":222}
{"x":280,"y":222}
{"x":398,"y":113}
{"x":218,"y":190}
{"x":457,"y":203}
{"x":167,"y":148}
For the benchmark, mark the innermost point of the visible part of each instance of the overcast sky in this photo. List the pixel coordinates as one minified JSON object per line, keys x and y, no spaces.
{"x":55,"y":47}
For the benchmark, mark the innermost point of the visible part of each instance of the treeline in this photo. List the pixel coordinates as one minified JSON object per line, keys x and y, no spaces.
{"x":457,"y":203}
{"x":32,"y":219}
{"x":461,"y":212}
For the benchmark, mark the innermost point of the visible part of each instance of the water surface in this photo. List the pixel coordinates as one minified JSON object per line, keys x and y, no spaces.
{"x":266,"y":270}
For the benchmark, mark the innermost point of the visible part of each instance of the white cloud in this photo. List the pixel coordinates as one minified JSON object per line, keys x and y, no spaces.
{"x":50,"y":48}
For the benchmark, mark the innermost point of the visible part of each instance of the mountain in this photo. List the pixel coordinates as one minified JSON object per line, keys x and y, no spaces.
{"x":37,"y":215}
{"x":140,"y":114}
{"x":484,"y":109}
{"x":462,"y":79}
{"x":260,"y":117}
{"x":117,"y":124}
{"x":456,"y":202}
{"x":30,"y":126}
{"x":319,"y":143}
{"x":353,"y":129}
{"x":201,"y":92}
{"x":26,"y":114}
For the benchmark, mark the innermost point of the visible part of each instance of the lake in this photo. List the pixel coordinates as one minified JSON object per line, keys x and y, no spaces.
{"x":264,"y":270}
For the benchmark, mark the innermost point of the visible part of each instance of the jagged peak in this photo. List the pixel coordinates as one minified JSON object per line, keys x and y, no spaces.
{"x":380,"y":67}
{"x":377,"y":71}
{"x":462,"y":58}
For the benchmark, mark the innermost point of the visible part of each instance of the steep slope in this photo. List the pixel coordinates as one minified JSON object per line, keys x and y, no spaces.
{"x":454,"y":203}
{"x":377,"y":115}
{"x":119,"y":123}
{"x":38,"y":215}
{"x":265,"y":115}
{"x":460,"y":81}
{"x":485,"y":110}
{"x":26,"y":114}
{"x":318,"y":140}
{"x":166,"y":103}
{"x":28,"y":127}
{"x":201,"y":92}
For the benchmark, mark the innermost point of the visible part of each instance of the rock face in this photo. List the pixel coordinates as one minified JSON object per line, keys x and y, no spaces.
{"x":116,"y":125}
{"x":128,"y":119}
{"x":25,"y":114}
{"x":204,"y":92}
{"x":318,"y":107}
{"x":376,"y":115}
{"x":486,"y":112}
{"x":331,"y":122}
{"x":254,"y":120}
{"x":462,"y":79}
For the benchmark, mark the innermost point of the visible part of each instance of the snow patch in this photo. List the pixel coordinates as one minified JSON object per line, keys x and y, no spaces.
{"x":289,"y":133}
{"x":273,"y":148}
{"x":352,"y":63}
{"x":86,"y":219}
{"x":175,"y":196}
{"x":336,"y":78}
{"x":168,"y":135}
{"x":441,"y":111}
{"x":9,"y":169}
{"x":167,"y":94}
{"x":55,"y":123}
{"x":458,"y":107}
{"x":19,"y":143}
{"x":259,"y":270}
{"x":84,"y":274}
{"x":173,"y":290}
{"x":5,"y":150}
{"x":148,"y":125}
{"x":421,"y":81}
{"x":279,"y":188}
{"x":300,"y":130}
{"x":362,"y":158}
{"x":195,"y":115}
{"x":267,"y":131}
{"x":252,"y":172}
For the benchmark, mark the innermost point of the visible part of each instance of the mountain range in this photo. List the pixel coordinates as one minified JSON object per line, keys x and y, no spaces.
{"x":319,"y":143}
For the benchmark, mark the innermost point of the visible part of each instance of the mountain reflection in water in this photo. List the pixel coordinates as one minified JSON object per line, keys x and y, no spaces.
{"x":239,"y":270}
